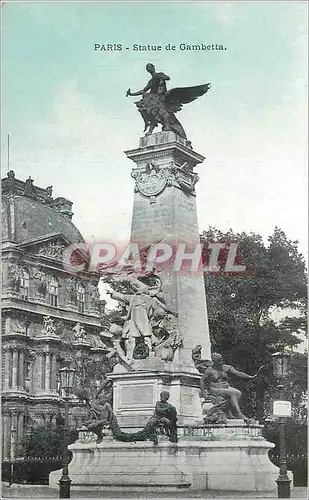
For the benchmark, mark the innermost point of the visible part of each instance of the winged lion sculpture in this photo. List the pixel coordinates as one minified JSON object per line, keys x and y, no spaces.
{"x":159,"y":105}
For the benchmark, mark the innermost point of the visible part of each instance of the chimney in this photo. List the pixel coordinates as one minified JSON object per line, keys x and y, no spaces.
{"x":63,"y":206}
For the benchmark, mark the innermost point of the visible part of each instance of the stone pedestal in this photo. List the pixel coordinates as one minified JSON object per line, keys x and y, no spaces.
{"x":233,"y":458}
{"x":164,"y":211}
{"x":135,"y":395}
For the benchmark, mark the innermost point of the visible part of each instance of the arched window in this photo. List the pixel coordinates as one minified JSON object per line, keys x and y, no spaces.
{"x":81,"y":298}
{"x":24,"y":282}
{"x":53,"y":291}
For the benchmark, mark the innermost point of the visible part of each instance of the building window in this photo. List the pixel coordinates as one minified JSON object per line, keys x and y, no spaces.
{"x":53,"y":290}
{"x":24,"y":284}
{"x":81,"y":299}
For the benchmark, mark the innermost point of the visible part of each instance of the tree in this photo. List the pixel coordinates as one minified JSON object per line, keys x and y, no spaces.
{"x":242,"y":307}
{"x":90,"y":373}
{"x":44,"y":441}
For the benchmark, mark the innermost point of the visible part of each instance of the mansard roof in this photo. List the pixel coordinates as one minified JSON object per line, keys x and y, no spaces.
{"x":30,"y":212}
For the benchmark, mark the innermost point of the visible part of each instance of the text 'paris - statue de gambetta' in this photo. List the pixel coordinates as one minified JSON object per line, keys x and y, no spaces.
{"x":159,"y":105}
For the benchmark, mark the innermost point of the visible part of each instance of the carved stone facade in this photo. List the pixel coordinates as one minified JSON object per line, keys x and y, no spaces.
{"x":47,"y":313}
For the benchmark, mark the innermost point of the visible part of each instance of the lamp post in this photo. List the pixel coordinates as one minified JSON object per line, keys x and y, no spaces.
{"x":67,"y":381}
{"x":282,"y":409}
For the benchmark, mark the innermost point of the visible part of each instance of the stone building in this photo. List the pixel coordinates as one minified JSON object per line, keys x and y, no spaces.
{"x":49,"y":316}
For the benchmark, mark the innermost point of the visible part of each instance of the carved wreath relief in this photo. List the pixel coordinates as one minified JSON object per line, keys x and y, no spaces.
{"x":151,"y":182}
{"x":154,"y":179}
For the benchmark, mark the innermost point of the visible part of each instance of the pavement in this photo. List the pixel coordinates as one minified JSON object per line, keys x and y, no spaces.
{"x":32,"y":491}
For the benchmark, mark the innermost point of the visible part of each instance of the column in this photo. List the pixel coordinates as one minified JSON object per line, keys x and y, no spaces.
{"x":3,"y":436}
{"x":10,"y":367}
{"x":13,"y":436}
{"x":6,"y":437}
{"x":8,"y":324}
{"x":7,"y":368}
{"x":20,"y":433}
{"x":42,"y":370}
{"x":54,"y":373}
{"x":27,"y":376}
{"x":47,"y":372}
{"x":15,"y":369}
{"x":21,"y":370}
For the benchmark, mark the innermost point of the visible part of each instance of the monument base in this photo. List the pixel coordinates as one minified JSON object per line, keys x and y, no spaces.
{"x":135,"y":395}
{"x":209,"y":458}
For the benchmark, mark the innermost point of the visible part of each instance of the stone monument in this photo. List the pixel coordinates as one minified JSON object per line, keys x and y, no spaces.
{"x":164,"y":211}
{"x":162,"y":340}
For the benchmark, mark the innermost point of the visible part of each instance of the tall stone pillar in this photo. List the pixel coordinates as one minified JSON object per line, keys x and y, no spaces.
{"x":47,"y":372}
{"x":13,"y":435}
{"x":54,"y":373}
{"x":6,"y":435}
{"x":21,"y":370}
{"x":7,"y":368}
{"x":164,"y":211}
{"x":20,"y":432}
{"x":15,"y":369}
{"x":42,"y":371}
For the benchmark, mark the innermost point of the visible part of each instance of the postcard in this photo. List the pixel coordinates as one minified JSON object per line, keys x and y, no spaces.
{"x":154,"y":248}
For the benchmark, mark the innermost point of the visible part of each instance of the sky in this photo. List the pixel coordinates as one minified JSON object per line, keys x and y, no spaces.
{"x":69,"y":121}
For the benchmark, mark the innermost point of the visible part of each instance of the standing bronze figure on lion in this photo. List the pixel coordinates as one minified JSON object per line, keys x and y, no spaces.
{"x":159,"y":105}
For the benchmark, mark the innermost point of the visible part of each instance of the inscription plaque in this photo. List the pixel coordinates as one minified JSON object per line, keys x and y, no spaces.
{"x":137,"y":395}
